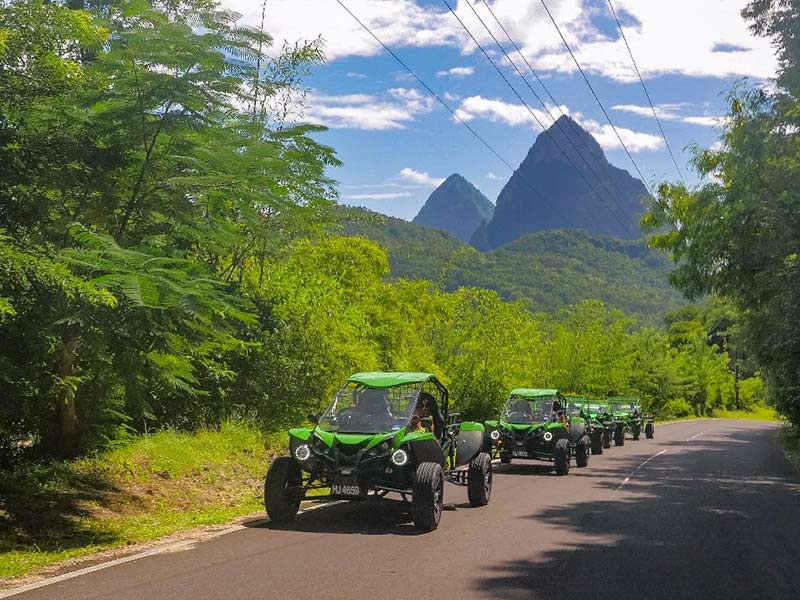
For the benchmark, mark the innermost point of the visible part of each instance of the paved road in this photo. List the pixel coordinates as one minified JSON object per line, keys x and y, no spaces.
{"x":708,"y":509}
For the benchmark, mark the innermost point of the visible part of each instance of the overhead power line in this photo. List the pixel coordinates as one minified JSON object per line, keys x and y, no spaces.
{"x":555,"y":102}
{"x":597,"y":99}
{"x":454,"y":113}
{"x":525,"y":104}
{"x":646,"y":92}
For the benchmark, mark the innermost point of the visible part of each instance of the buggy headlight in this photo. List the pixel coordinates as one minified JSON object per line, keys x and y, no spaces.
{"x":399,"y":457}
{"x":548,"y":436}
{"x":495,"y":435}
{"x":302,"y":452}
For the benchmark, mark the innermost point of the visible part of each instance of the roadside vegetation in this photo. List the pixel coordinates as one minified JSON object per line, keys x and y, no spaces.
{"x":154,"y":486}
{"x":170,"y":264}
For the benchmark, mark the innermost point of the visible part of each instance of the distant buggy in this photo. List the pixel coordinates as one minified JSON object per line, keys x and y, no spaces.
{"x":383,"y":433}
{"x":630,"y":419}
{"x":535,"y":424}
{"x":600,"y":422}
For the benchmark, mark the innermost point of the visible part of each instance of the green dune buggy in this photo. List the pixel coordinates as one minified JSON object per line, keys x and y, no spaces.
{"x":535,"y":424}
{"x":383,"y":433}
{"x":630,"y":419}
{"x":604,"y":425}
{"x":599,"y":421}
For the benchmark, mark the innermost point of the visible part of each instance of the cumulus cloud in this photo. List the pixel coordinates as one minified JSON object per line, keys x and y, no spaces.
{"x":649,"y":26}
{"x":457,"y":72}
{"x":394,"y":109}
{"x":420,"y":177}
{"x":671,"y":112}
{"x":494,"y":176}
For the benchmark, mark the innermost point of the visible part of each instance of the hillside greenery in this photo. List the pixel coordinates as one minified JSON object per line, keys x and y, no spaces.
{"x":549,"y":269}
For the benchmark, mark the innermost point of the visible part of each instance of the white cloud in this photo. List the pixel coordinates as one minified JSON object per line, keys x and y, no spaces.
{"x":500,"y":111}
{"x":420,"y":177}
{"x":354,"y":75}
{"x":394,"y":109}
{"x":494,"y":177}
{"x":652,"y":30}
{"x":671,"y":112}
{"x":457,"y":72}
{"x":635,"y":141}
{"x":388,"y":196}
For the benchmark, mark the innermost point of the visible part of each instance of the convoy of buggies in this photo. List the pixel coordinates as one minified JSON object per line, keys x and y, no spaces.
{"x":393,"y":433}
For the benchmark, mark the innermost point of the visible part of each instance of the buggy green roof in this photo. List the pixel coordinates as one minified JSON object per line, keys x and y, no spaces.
{"x":577,"y":398}
{"x":623,"y":399}
{"x":388,"y":380}
{"x":534,"y":393}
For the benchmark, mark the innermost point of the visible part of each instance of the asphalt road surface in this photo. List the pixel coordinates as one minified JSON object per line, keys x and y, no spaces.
{"x":708,"y":509}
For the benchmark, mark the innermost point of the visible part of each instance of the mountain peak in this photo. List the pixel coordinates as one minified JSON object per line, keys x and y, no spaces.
{"x":558,"y":166}
{"x":456,"y":206}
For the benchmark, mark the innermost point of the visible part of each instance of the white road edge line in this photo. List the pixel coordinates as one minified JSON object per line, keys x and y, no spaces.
{"x":697,"y":435}
{"x":633,"y":473}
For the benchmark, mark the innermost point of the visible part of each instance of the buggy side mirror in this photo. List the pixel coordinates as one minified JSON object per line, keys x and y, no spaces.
{"x":313,"y":417}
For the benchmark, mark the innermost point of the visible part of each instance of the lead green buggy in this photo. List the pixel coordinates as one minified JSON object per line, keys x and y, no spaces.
{"x":383,"y":433}
{"x":535,"y":424}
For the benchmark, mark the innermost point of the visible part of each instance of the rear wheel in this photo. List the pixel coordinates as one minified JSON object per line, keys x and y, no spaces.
{"x":649,"y":431}
{"x":282,"y":491}
{"x":619,"y":436}
{"x":505,"y":457}
{"x":427,"y":501}
{"x":597,"y":444}
{"x":561,"y":456}
{"x":479,"y":480}
{"x":637,"y":429}
{"x":582,"y":453}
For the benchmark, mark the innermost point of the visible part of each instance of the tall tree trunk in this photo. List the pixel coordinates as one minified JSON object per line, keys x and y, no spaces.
{"x":69,"y":426}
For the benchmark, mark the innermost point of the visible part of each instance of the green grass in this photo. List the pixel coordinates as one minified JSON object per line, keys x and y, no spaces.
{"x":789,"y":439}
{"x":155,"y":486}
{"x":759,"y":413}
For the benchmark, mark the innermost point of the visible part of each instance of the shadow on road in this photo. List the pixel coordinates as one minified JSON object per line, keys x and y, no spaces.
{"x":717,"y":518}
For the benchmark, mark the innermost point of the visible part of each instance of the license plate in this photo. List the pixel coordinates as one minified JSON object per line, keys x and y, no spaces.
{"x":519,"y":453}
{"x":347,"y":487}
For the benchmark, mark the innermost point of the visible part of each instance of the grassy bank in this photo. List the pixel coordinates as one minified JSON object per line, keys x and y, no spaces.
{"x":153,"y":487}
{"x":759,"y":413}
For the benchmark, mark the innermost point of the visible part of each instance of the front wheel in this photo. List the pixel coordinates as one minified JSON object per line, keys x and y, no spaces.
{"x":607,"y":440}
{"x":561,"y":457}
{"x":479,"y":480}
{"x":649,"y":431}
{"x":582,"y":453}
{"x":427,"y":501}
{"x":637,"y":429}
{"x":282,"y":490}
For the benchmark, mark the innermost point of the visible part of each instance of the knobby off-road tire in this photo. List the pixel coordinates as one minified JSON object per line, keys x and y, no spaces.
{"x":597,"y":444}
{"x":427,"y":501}
{"x":505,"y":458}
{"x":619,"y":436}
{"x":281,"y":496}
{"x":479,"y":480}
{"x":606,"y":440}
{"x":561,"y":457}
{"x":637,"y":429}
{"x":582,"y":453}
{"x":649,"y":431}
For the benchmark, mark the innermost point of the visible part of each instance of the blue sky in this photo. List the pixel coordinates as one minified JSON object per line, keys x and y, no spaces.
{"x":396,"y":142}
